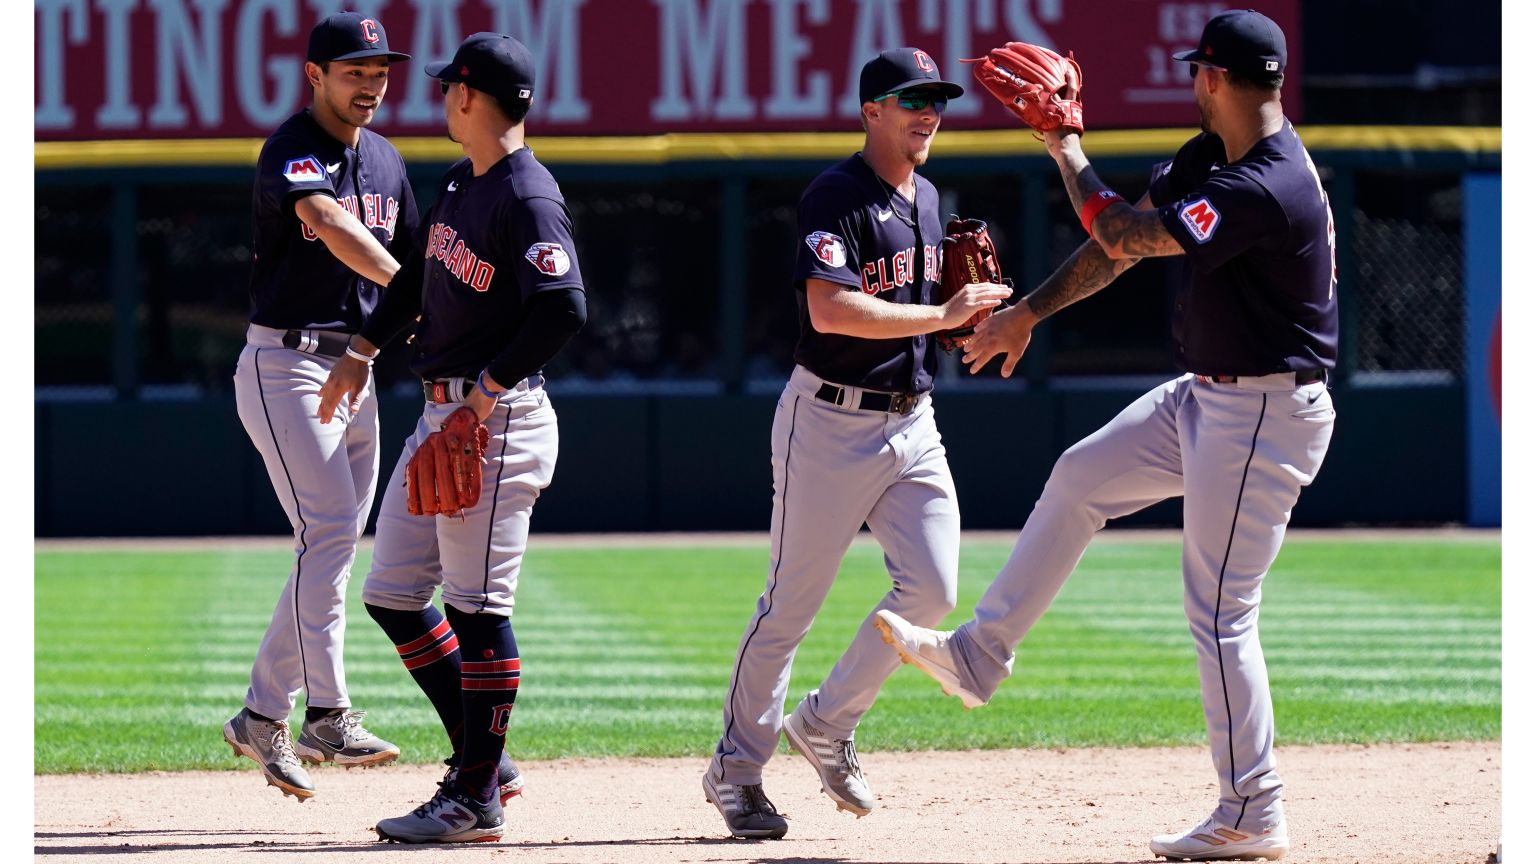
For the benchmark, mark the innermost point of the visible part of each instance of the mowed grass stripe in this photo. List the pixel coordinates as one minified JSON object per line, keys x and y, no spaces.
{"x":627,"y":652}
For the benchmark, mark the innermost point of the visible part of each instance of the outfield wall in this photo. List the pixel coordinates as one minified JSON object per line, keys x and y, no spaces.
{"x":644,"y":463}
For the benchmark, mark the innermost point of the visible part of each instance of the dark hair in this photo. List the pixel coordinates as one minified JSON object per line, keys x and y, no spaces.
{"x":1261,"y":81}
{"x":515,"y":109}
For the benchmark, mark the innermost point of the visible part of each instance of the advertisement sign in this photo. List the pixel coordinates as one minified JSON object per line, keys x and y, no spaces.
{"x":110,"y":69}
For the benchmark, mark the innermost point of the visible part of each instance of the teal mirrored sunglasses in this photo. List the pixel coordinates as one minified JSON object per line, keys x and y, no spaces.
{"x":917,"y":100}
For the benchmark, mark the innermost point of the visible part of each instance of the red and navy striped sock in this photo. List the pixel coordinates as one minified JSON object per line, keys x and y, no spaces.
{"x":490,"y":672}
{"x":430,"y":650}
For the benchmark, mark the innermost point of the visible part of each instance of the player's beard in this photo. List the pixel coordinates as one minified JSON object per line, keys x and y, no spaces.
{"x":919,"y":157}
{"x":1205,"y":114}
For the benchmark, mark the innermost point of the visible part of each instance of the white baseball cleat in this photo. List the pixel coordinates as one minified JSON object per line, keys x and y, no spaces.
{"x":928,"y":650}
{"x":1212,"y":841}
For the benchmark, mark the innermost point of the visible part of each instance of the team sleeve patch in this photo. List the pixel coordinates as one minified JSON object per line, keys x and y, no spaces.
{"x":1200,"y":218}
{"x":304,"y":170}
{"x":549,"y":258}
{"x":828,"y":248}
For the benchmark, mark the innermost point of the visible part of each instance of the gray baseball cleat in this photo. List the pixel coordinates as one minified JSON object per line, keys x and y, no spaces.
{"x":509,"y":779}
{"x":1212,"y":841}
{"x":339,"y":737}
{"x":450,"y":817}
{"x":269,"y":745}
{"x":747,"y":811}
{"x":835,"y":760}
{"x":929,"y":651}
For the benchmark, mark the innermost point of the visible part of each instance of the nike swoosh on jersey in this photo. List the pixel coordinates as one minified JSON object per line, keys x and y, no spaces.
{"x":884,"y":215}
{"x":452,"y":185}
{"x":332,"y":169}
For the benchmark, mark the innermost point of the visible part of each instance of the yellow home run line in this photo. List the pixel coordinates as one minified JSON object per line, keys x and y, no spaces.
{"x":694,"y":147}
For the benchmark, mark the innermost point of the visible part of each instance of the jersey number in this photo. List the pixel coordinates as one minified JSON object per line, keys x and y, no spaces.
{"x":1333,"y":248}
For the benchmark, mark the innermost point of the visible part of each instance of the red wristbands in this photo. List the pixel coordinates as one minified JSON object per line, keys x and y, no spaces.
{"x":1096,"y":205}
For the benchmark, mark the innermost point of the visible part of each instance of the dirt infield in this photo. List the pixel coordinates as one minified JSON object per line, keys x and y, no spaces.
{"x":1390,"y":803}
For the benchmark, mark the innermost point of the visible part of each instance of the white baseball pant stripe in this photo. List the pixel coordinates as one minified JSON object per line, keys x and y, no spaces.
{"x":475,"y":558}
{"x":324,"y":476}
{"x":1239,"y":454}
{"x":835,"y":469}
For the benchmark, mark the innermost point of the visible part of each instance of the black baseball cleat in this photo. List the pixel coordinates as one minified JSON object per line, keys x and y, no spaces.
{"x":747,"y":811}
{"x":450,"y":817}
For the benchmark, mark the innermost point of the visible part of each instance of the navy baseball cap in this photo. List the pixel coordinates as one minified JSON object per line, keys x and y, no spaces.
{"x":350,"y":36}
{"x":899,"y":68}
{"x":491,"y":63}
{"x":1242,"y":40}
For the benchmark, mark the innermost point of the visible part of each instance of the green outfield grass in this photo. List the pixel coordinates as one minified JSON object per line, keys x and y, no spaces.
{"x":626,"y":651}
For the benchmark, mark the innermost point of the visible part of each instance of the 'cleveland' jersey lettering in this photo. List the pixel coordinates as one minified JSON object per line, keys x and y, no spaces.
{"x":489,"y":244}
{"x":859,"y":233}
{"x":378,"y":211}
{"x":463,"y":264}
{"x":297,"y":282}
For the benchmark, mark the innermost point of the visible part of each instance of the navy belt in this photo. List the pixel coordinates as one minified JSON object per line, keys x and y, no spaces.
{"x":890,"y":403}
{"x":1303,"y":377}
{"x":327,"y":343}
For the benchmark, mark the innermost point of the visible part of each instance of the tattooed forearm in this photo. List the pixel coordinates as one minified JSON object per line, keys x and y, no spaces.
{"x":1088,"y":270}
{"x":1126,"y":232}
{"x":1081,"y":181}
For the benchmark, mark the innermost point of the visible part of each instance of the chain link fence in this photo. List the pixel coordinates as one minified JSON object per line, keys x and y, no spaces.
{"x":1409,"y":274}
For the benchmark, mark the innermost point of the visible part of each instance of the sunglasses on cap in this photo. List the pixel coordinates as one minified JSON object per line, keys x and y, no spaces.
{"x":917,"y":100}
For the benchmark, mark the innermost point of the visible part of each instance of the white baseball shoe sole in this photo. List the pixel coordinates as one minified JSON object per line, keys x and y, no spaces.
{"x":1212,"y":841}
{"x":928,"y":650}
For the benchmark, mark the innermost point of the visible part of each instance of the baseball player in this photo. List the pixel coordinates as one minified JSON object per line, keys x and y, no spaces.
{"x":330,"y":200}
{"x":499,"y":292}
{"x":854,"y":442}
{"x":1255,"y":326}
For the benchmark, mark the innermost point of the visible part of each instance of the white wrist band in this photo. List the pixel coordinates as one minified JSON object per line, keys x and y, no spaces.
{"x":355,"y":355}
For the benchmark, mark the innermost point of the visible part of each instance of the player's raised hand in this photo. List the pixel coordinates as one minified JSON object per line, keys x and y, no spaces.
{"x":348,"y":380}
{"x":1005,"y":333}
{"x":972,"y":299}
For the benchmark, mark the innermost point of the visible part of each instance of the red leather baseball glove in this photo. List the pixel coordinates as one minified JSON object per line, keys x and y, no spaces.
{"x":443,"y":476}
{"x":969,"y":257}
{"x":1039,"y":85}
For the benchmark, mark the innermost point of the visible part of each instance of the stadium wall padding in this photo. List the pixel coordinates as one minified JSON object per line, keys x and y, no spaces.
{"x":701,"y":463}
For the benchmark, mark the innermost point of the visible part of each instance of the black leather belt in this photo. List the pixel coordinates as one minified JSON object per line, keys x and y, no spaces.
{"x":327,"y":343}
{"x":1303,"y":376}
{"x":448,"y":390}
{"x":890,"y":403}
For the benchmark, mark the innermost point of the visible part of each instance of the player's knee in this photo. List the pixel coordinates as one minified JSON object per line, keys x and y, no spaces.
{"x":376,"y":593}
{"x":1072,"y":481}
{"x":928,"y":604}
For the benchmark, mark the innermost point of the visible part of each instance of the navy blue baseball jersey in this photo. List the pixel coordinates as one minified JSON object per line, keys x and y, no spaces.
{"x":297,"y":282}
{"x":1259,"y":292}
{"x":855,"y":230}
{"x":489,"y":244}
